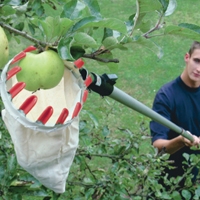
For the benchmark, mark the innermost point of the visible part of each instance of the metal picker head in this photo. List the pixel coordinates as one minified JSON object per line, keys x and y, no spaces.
{"x":43,"y":110}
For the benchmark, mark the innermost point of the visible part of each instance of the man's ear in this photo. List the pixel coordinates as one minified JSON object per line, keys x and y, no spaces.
{"x":187,"y":57}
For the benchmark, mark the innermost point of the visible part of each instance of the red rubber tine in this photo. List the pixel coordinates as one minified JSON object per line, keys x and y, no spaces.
{"x":18,"y":57}
{"x":30,"y":48}
{"x":88,"y":81}
{"x":62,"y":116}
{"x":85,"y":95}
{"x":16,"y":89}
{"x":79,"y":63}
{"x":28,"y":104}
{"x":77,"y":109}
{"x":46,"y":114}
{"x":12,"y":72}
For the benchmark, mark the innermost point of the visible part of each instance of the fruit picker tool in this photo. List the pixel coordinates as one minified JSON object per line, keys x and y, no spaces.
{"x":104,"y":85}
{"x":32,"y":100}
{"x":43,"y":124}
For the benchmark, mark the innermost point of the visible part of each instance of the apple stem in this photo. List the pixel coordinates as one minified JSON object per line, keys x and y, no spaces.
{"x":46,"y":48}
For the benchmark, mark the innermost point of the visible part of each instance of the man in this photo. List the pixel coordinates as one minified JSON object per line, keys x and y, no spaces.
{"x":179,"y":102}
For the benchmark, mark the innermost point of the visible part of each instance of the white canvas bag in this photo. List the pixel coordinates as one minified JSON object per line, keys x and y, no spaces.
{"x":45,"y":151}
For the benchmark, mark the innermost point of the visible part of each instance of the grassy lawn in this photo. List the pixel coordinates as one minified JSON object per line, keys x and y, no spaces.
{"x":140,"y":72}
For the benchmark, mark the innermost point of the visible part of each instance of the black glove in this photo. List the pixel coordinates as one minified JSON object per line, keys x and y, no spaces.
{"x":102,"y":85}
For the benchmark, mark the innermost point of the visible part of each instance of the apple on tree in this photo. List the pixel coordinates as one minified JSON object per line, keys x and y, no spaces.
{"x":41,"y":71}
{"x":4,"y":51}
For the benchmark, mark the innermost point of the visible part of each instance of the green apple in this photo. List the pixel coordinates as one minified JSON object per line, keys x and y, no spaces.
{"x":4,"y":51}
{"x":41,"y":71}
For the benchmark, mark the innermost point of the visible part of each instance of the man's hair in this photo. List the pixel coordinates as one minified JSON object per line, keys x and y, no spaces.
{"x":195,"y":45}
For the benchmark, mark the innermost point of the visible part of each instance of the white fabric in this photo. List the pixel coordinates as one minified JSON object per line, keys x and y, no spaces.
{"x":46,"y":152}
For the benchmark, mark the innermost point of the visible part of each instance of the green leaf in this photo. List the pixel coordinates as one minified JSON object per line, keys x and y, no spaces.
{"x":31,"y":28}
{"x":145,"y":26}
{"x":182,"y":32}
{"x":136,"y":198}
{"x":17,"y":197}
{"x":186,"y":156}
{"x":64,"y":48}
{"x":165,"y":4}
{"x":165,"y":195}
{"x":52,"y":10}
{"x":93,"y":7}
{"x":11,"y":163}
{"x":20,"y":26}
{"x":26,"y":192}
{"x":171,"y":7}
{"x":77,"y":52}
{"x":46,"y":29}
{"x":91,"y":22}
{"x":82,"y":125}
{"x":34,"y":22}
{"x":73,"y":9}
{"x":89,"y":192}
{"x":85,"y":23}
{"x":2,"y":172}
{"x":2,"y":157}
{"x":130,"y":23}
{"x":105,"y":131}
{"x":192,"y":27}
{"x":144,"y":7}
{"x":21,"y":9}
{"x":37,"y":7}
{"x":107,"y":33}
{"x":54,"y":27}
{"x":197,"y":191}
{"x":7,"y":10}
{"x":186,"y":194}
{"x":64,"y":25}
{"x":120,"y":150}
{"x":83,"y":165}
{"x":36,"y":4}
{"x":110,"y":42}
{"x":13,"y":2}
{"x":176,"y":195}
{"x":140,"y":42}
{"x":92,"y":117}
{"x":83,"y":39}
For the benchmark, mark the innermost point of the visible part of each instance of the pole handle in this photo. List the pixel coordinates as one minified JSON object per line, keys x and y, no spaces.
{"x":132,"y":103}
{"x":187,"y":135}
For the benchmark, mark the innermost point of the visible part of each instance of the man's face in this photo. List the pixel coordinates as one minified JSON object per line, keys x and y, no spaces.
{"x":193,"y":65}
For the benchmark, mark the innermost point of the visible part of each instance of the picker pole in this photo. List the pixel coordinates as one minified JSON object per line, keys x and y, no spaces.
{"x":104,"y":85}
{"x":132,"y":103}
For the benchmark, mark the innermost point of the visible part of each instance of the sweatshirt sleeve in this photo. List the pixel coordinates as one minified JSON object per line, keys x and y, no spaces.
{"x":162,"y":106}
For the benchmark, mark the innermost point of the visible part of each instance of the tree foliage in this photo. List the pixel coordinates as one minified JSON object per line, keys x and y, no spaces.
{"x":78,"y":29}
{"x":104,"y":167}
